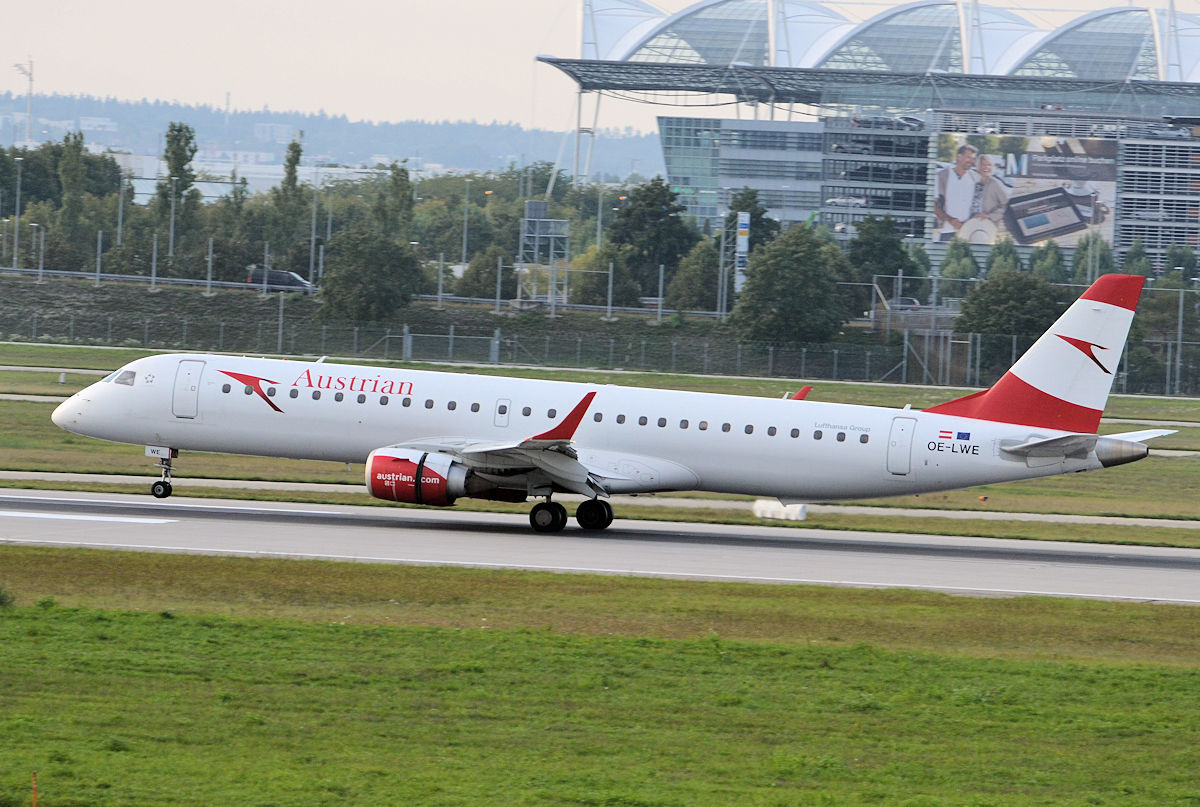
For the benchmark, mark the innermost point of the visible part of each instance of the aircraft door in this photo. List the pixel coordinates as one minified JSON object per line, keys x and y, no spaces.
{"x":899,"y":456}
{"x":502,"y":407}
{"x":186,"y":401}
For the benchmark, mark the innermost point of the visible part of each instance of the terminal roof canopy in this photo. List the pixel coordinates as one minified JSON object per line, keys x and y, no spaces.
{"x":926,"y":36}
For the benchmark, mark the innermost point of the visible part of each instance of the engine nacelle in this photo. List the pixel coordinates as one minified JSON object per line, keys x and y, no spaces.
{"x":415,"y":477}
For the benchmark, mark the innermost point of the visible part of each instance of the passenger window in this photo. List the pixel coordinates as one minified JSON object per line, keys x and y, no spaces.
{"x":452,"y":405}
{"x":703,"y":426}
{"x":749,"y":430}
{"x":429,"y":403}
{"x":725,"y":427}
{"x":620,"y":418}
{"x":683,"y":424}
{"x":316,"y":394}
{"x":863,"y":438}
{"x":294,"y":393}
{"x":502,"y":409}
{"x":553,"y":413}
{"x":795,"y":432}
{"x":597,"y":417}
{"x":526,"y":411}
{"x":474,"y":407}
{"x":339,"y":397}
{"x":383,"y":399}
{"x":406,"y":402}
{"x":270,"y":392}
{"x":662,"y":422}
{"x":771,"y":431}
{"x":817,"y":434}
{"x":643,"y":420}
{"x":362,"y":398}
{"x":841,"y":437}
{"x":224,"y":388}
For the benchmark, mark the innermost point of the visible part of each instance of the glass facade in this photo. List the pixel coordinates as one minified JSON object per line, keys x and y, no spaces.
{"x":1105,"y":45}
{"x":913,"y":40}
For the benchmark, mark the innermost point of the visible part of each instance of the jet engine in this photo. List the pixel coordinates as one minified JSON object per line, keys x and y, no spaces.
{"x":421,"y":477}
{"x":415,"y":477}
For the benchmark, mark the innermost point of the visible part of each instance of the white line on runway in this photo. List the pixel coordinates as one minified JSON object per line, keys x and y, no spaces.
{"x":66,"y":517}
{"x":1004,"y":592}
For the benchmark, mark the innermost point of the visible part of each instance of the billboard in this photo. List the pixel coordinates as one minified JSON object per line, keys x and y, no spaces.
{"x":1030,"y":189}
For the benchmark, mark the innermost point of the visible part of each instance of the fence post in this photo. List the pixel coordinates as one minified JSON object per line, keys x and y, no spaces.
{"x":406,"y":351}
{"x":71,"y":329}
{"x":578,"y":351}
{"x":146,"y":335}
{"x":355,"y":340}
{"x":835,"y":364}
{"x":494,"y":347}
{"x":804,"y":362}
{"x":674,"y":349}
{"x":220,"y":336}
{"x":387,"y":342}
{"x":771,"y":360}
{"x":279,"y":334}
{"x":109,"y":339}
{"x":450,"y":346}
{"x":33,"y":335}
{"x":867,"y":372}
{"x":184,"y":343}
{"x":904,"y":361}
{"x":611,"y":344}
{"x":99,"y":248}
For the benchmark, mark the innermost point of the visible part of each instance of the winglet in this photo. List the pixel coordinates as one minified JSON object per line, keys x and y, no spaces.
{"x":802,"y":393}
{"x":565,"y":429}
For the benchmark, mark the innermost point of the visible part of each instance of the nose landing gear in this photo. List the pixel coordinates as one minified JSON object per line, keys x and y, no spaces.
{"x":162,"y":488}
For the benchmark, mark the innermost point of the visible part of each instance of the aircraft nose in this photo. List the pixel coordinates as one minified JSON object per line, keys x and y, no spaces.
{"x":67,"y":414}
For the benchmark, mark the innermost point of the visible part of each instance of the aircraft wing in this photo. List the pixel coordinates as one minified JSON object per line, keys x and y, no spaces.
{"x":550,"y":454}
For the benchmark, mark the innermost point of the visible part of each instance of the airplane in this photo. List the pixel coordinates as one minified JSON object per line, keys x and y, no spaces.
{"x":429,"y":437}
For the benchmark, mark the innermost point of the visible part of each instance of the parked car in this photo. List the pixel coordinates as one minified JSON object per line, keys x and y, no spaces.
{"x":852,"y":148}
{"x":847,"y":201}
{"x":279,"y":280}
{"x":910,"y":122}
{"x":1170,"y":132}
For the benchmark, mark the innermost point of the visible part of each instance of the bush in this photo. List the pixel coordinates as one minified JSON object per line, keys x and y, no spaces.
{"x":6,"y":599}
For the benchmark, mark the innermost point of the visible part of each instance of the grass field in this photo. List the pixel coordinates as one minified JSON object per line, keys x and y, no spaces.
{"x":178,"y":680}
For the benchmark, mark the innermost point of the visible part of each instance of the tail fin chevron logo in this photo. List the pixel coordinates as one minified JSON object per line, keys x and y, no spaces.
{"x":255,"y":384}
{"x":1087,"y":348}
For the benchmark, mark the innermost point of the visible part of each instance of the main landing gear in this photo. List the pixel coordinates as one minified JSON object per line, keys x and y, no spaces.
{"x":548,"y":516}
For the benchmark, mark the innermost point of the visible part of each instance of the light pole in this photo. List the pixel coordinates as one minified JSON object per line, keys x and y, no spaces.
{"x":466,"y":198}
{"x":171,"y":237}
{"x":17,"y":217}
{"x":33,"y":225}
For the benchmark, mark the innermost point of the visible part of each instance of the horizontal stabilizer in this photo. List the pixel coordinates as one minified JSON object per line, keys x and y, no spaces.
{"x":1143,"y":435}
{"x":1070,"y":445}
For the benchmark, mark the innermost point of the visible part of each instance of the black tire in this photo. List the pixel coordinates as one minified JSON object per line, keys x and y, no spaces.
{"x":594,"y":514}
{"x":548,"y":517}
{"x":160,"y":489}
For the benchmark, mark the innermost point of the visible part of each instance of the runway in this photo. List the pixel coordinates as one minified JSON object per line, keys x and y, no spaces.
{"x":986,"y":567}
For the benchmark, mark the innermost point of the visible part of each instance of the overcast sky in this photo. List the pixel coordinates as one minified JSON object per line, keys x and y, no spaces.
{"x":384,"y":60}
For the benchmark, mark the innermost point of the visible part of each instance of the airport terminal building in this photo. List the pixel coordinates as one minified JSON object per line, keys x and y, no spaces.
{"x":954,"y":118}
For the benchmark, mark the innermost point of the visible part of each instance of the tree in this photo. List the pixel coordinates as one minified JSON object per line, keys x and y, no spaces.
{"x":1007,"y":304}
{"x":1137,"y":262}
{"x":651,"y":225}
{"x":1046,"y":261}
{"x":71,"y":177}
{"x":178,"y":153}
{"x":958,"y":267}
{"x":1177,"y":255}
{"x":697,"y":281}
{"x":368,"y":276}
{"x":1004,"y":257}
{"x":791,"y":292}
{"x":1093,"y":257}
{"x":590,"y":285}
{"x":877,"y":249}
{"x":479,"y":279}
{"x":762,"y":229}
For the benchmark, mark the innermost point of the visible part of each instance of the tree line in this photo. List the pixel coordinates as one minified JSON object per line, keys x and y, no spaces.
{"x":377,"y":240}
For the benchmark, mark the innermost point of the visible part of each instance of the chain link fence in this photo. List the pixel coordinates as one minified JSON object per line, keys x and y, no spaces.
{"x":910,"y":355}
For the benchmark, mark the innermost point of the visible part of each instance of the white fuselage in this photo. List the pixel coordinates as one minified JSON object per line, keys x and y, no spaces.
{"x":644,"y":439}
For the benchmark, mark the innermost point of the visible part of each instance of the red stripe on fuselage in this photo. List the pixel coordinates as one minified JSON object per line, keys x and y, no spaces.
{"x":1012,"y":400}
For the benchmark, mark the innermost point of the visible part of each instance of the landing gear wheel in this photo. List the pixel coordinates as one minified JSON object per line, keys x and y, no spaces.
{"x":594,"y":514}
{"x":161,"y":489}
{"x":548,"y":517}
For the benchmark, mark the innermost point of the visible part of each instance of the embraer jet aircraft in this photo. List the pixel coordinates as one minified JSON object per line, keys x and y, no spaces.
{"x":432,"y":437}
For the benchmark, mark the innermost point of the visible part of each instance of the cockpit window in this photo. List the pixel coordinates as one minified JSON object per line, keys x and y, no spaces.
{"x":125,"y":377}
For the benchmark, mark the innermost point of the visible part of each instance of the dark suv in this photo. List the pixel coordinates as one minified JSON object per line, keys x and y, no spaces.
{"x":279,"y":280}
